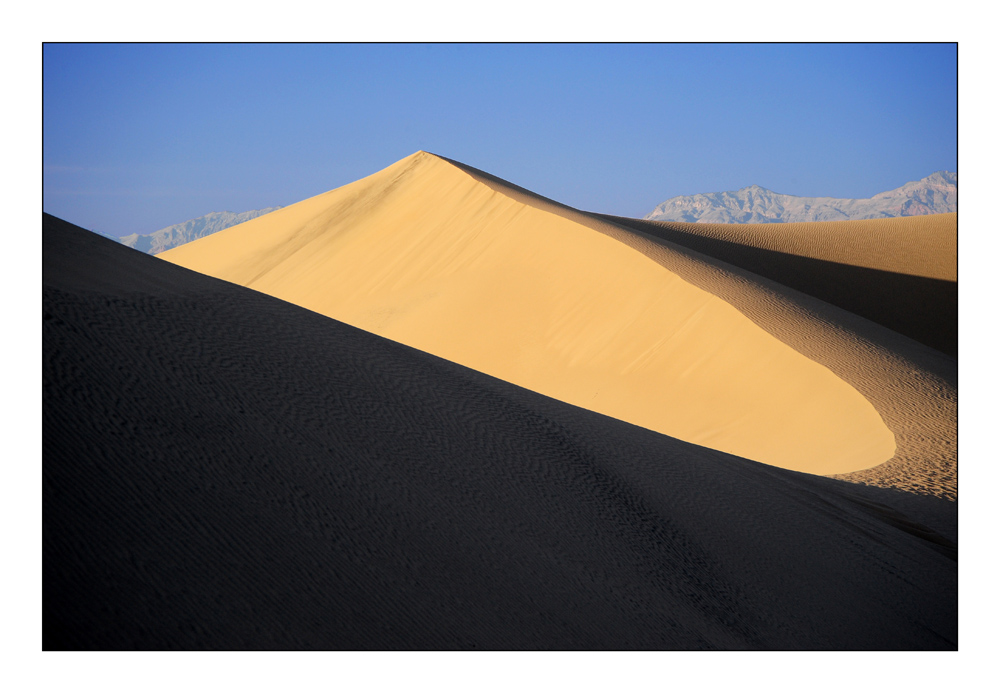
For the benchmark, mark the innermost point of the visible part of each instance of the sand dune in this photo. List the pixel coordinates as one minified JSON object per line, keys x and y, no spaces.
{"x":226,"y":470}
{"x":461,"y":265}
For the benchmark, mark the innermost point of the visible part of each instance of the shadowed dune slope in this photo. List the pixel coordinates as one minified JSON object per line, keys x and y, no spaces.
{"x":428,"y":255}
{"x":226,"y":470}
{"x":901,"y":273}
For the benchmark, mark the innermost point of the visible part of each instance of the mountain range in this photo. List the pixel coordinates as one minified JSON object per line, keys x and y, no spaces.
{"x":935,"y":194}
{"x":190,"y":230}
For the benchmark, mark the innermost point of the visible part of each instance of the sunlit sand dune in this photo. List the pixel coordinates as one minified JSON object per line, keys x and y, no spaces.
{"x":862,"y":324}
{"x":430,"y":254}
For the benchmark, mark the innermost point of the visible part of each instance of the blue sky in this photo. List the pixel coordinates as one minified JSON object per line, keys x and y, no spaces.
{"x":137,"y":137}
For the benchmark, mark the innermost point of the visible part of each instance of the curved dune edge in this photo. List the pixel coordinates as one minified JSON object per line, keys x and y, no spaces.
{"x":427,"y":255}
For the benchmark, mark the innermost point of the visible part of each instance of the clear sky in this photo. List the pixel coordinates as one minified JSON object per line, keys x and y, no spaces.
{"x":137,"y":137}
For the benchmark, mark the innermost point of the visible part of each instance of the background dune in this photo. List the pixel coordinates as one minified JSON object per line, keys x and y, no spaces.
{"x":901,"y":273}
{"x":429,"y":254}
{"x":223,"y":469}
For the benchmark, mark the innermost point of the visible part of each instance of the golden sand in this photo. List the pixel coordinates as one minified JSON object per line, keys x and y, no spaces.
{"x":427,"y":255}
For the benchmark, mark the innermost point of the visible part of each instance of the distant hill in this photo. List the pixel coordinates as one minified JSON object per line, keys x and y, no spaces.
{"x":935,"y":194}
{"x":193,"y":229}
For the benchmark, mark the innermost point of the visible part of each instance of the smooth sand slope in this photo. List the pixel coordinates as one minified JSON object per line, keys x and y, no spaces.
{"x":434,"y":256}
{"x":901,"y":273}
{"x":226,"y":470}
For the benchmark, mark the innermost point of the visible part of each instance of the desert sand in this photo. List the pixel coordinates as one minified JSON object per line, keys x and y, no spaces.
{"x":227,"y":470}
{"x":459,"y":264}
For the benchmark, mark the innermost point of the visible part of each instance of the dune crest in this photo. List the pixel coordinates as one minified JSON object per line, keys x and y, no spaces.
{"x":425,"y":254}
